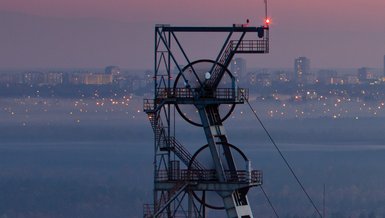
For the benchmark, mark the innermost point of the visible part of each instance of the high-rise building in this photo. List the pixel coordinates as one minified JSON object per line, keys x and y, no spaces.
{"x":384,"y":65}
{"x":301,"y":69}
{"x":238,"y":67}
{"x":363,"y":74}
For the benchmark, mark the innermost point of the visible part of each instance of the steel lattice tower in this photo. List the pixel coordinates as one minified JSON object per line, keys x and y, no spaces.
{"x":204,"y":93}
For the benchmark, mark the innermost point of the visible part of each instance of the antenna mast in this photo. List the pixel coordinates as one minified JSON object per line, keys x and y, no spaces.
{"x":265,"y":9}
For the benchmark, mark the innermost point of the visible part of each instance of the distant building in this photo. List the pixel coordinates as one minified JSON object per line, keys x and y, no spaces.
{"x":53,"y":78}
{"x":326,"y":76}
{"x":238,"y":67}
{"x":11,"y":78}
{"x":76,"y":78}
{"x":113,"y":70}
{"x":33,"y":78}
{"x":309,"y":78}
{"x":280,"y":76}
{"x":263,"y":79}
{"x":138,"y":83}
{"x":364,"y":74}
{"x":337,"y":80}
{"x":97,"y":79}
{"x":351,"y":79}
{"x":301,"y":68}
{"x":384,"y":65}
{"x":251,"y":78}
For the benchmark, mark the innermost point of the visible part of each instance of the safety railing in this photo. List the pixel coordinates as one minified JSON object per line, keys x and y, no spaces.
{"x":220,"y":93}
{"x":250,"y":46}
{"x":239,"y":176}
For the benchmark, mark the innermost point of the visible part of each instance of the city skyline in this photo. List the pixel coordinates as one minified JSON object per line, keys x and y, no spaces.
{"x":88,"y":33}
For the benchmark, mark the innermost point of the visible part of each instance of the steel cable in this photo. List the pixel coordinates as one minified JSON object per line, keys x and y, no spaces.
{"x":283,"y":157}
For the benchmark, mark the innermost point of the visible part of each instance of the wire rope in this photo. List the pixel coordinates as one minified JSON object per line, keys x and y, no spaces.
{"x":283,"y":158}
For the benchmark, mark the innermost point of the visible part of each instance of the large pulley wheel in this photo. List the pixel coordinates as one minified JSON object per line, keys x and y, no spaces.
{"x":195,"y":77}
{"x":212,"y":199}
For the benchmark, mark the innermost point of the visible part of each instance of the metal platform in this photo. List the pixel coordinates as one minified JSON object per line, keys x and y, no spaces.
{"x":191,"y":96}
{"x":195,"y":177}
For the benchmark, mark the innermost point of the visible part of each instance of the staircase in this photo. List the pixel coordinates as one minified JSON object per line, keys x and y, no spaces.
{"x":235,"y":46}
{"x":183,"y":154}
{"x":227,"y":55}
{"x":158,"y":128}
{"x":169,"y":143}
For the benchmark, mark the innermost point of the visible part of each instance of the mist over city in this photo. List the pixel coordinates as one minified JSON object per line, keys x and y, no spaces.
{"x":100,"y":119}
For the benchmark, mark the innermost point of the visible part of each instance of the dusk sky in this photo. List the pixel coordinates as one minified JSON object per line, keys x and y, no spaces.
{"x":95,"y":33}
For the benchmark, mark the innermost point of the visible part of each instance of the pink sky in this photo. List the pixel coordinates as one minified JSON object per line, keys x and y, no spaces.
{"x":340,"y":33}
{"x":340,"y":11}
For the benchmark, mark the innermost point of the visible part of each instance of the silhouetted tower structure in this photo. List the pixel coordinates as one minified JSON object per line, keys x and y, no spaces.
{"x":190,"y":181}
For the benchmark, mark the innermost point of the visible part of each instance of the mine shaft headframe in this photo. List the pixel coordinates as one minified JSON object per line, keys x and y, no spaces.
{"x":205,"y":92}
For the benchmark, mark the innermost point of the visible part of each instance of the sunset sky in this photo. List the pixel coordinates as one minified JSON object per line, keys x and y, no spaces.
{"x":340,"y":33}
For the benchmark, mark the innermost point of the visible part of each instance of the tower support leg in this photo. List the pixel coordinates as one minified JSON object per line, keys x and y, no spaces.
{"x":236,"y":203}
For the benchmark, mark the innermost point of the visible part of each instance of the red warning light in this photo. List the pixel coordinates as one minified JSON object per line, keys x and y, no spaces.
{"x":267,"y":21}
